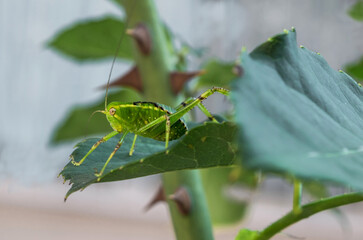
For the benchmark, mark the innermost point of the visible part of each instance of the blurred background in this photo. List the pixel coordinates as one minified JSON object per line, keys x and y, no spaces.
{"x":39,"y":87}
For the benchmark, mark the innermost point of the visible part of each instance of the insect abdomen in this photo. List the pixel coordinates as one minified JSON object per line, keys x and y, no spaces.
{"x":138,"y":114}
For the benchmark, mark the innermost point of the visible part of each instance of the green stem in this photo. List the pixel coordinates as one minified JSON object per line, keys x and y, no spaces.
{"x":197,"y":225}
{"x":297,"y":196}
{"x":307,"y":211}
{"x":154,"y":70}
{"x":155,"y":67}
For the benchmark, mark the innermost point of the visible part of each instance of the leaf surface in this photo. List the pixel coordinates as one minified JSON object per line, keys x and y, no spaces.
{"x":297,"y":115}
{"x":217,"y":74}
{"x":93,"y":39}
{"x":208,"y":145}
{"x":356,"y":11}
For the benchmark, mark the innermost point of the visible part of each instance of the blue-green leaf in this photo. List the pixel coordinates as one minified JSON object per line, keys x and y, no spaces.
{"x":297,"y":115}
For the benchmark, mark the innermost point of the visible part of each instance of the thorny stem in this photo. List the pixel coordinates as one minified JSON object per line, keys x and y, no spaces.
{"x":154,"y":70}
{"x":307,"y":211}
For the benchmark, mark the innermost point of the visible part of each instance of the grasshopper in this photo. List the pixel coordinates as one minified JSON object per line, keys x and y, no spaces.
{"x":149,"y":119}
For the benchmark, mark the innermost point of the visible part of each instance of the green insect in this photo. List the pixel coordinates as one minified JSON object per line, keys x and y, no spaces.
{"x":148,"y":119}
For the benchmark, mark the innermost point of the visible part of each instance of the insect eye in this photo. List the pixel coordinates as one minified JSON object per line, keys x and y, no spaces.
{"x":112,"y":111}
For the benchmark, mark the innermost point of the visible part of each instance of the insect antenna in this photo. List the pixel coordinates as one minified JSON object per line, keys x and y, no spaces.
{"x":123,"y":33}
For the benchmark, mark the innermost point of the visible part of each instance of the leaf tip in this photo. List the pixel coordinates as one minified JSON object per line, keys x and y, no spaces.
{"x":286,"y":31}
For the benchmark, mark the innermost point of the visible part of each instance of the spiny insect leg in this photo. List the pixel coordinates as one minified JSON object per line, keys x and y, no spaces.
{"x":133,"y":146}
{"x":184,"y":103}
{"x":167,"y":131}
{"x":206,"y":112}
{"x":102,"y":140}
{"x":111,"y":155}
{"x":153,"y":123}
{"x":180,"y":113}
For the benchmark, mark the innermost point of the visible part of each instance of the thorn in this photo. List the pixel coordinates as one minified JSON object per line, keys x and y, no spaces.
{"x":178,"y":79}
{"x":158,"y":197}
{"x":237,"y":70}
{"x":131,"y":79}
{"x":182,"y":200}
{"x":142,"y":37}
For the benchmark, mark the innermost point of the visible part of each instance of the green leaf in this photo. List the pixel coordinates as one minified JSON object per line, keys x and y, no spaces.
{"x":77,"y":124}
{"x":356,"y":11}
{"x":246,"y":234}
{"x":224,"y":209}
{"x":217,"y":74}
{"x":208,"y":145}
{"x":297,"y":115}
{"x":93,"y":39}
{"x":117,"y":2}
{"x":355,"y":70}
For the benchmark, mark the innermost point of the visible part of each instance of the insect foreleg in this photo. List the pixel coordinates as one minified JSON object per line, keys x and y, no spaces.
{"x":133,"y":146}
{"x":102,"y":140}
{"x":111,"y":155}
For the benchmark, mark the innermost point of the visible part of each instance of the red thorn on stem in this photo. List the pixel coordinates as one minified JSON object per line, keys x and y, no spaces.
{"x":178,"y":79}
{"x":237,"y":70}
{"x":182,"y":199}
{"x":142,"y":37}
{"x":158,"y":197}
{"x":131,"y":79}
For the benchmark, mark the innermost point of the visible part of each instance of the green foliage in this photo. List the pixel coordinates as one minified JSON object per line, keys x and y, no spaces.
{"x":297,"y":115}
{"x":356,"y":11}
{"x":93,"y":39}
{"x":217,"y":74}
{"x":355,"y":70}
{"x":246,"y":234}
{"x":222,"y":208}
{"x":209,"y":145}
{"x":76,"y":125}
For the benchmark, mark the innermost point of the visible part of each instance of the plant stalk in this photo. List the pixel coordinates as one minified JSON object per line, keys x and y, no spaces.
{"x":296,"y":206}
{"x":154,"y":70}
{"x":307,"y":211}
